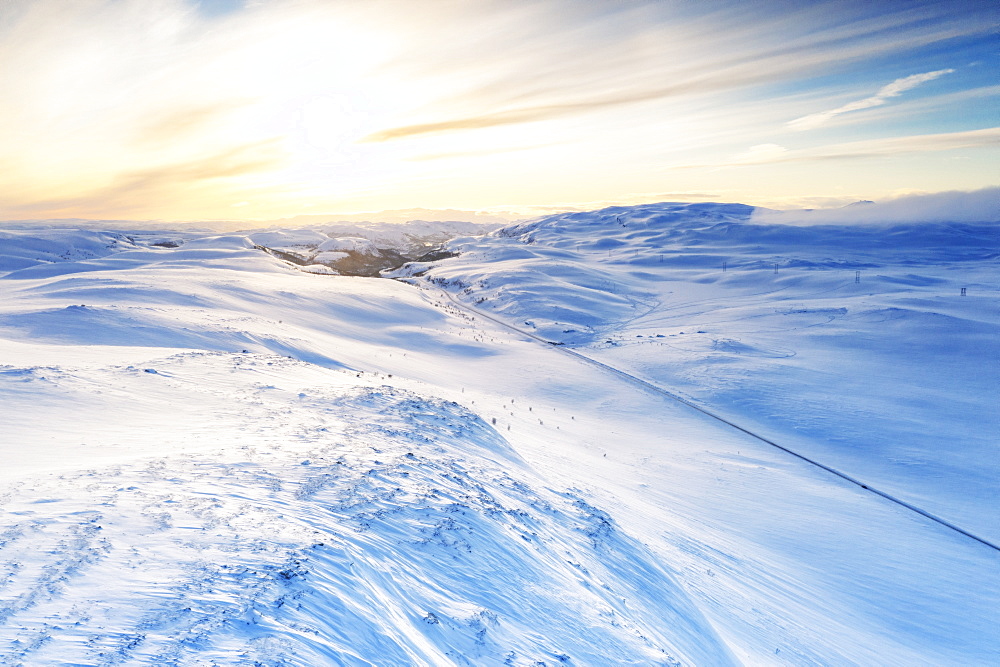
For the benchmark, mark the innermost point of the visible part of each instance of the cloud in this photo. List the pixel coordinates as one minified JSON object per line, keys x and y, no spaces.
{"x":869,"y":148}
{"x":894,"y":89}
{"x":954,"y":206}
{"x":172,"y":125}
{"x":761,"y":153}
{"x":453,"y":155}
{"x":555,"y":111}
{"x":401,"y":215}
{"x":236,"y":161}
{"x":130,"y":191}
{"x":574,"y":62}
{"x":898,"y":145}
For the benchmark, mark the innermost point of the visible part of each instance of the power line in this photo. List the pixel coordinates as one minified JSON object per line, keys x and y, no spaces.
{"x":669,"y":394}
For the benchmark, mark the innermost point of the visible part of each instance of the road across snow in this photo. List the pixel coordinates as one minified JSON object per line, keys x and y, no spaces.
{"x":674,"y":397}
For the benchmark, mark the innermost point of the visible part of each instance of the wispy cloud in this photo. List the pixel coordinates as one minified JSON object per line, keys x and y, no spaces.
{"x":522,"y":115}
{"x":894,"y":89}
{"x":888,"y":146}
{"x":763,"y":154}
{"x":574,"y":69}
{"x":458,"y":155}
{"x":179,"y":124}
{"x":130,"y":191}
{"x":760,"y":154}
{"x":885,"y":147}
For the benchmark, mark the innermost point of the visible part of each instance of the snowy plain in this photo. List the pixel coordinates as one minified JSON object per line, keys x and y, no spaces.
{"x":214,"y":456}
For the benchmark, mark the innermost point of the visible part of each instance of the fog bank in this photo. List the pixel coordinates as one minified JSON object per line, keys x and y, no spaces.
{"x":975,"y":206}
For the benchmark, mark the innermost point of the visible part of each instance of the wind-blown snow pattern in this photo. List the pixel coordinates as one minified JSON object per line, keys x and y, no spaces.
{"x":213,"y":455}
{"x":322,"y":551}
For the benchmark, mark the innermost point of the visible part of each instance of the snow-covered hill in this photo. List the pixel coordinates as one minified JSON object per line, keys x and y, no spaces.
{"x":212,"y":456}
{"x":852,"y":342}
{"x":362,"y":248}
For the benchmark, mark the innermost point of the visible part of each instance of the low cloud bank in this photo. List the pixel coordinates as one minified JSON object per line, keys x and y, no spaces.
{"x":392,"y":217}
{"x":975,"y":206}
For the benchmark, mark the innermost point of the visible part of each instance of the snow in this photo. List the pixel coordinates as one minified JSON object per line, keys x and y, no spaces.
{"x":889,"y":374}
{"x":352,"y":244}
{"x":406,"y":237}
{"x":213,"y":456}
{"x":413,"y":237}
{"x":321,"y":539}
{"x":322,"y":269}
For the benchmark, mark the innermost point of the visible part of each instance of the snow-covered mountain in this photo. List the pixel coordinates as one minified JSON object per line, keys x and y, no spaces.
{"x":213,"y":455}
{"x":363,"y":248}
{"x":853,"y":342}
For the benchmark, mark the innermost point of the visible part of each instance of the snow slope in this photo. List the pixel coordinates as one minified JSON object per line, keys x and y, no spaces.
{"x":852,"y":344}
{"x":213,"y":457}
{"x":343,"y":521}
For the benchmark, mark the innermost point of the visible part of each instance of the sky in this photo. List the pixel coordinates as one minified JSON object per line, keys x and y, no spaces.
{"x":265,"y":109}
